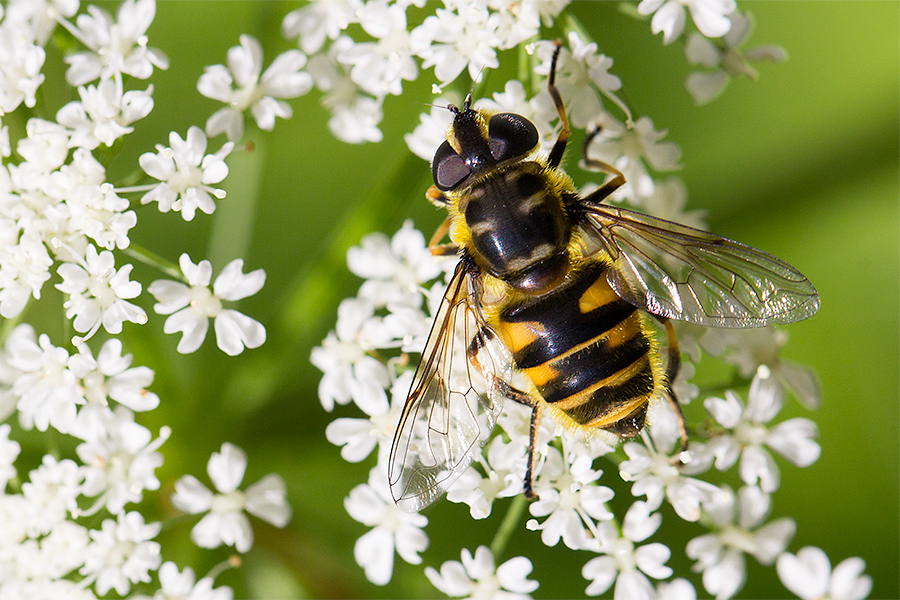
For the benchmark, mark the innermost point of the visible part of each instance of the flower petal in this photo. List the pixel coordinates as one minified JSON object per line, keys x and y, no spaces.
{"x":235,"y":330}
{"x":226,"y":467}
{"x":267,"y":499}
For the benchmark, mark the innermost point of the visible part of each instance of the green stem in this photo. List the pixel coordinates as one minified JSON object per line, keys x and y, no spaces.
{"x":737,"y":381}
{"x":510,"y":521}
{"x":154,"y":260}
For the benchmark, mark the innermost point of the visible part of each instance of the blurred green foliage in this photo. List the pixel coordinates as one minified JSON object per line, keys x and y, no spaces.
{"x":802,"y":163}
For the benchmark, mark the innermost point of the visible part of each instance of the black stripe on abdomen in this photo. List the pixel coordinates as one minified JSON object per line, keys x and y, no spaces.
{"x":588,"y":366}
{"x":564,"y":325}
{"x":613,"y":399}
{"x":572,"y":328}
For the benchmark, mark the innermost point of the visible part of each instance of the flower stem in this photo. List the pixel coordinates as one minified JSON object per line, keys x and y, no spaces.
{"x":510,"y":521}
{"x":154,"y":260}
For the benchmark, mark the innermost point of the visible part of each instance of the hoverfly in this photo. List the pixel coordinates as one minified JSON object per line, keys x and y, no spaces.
{"x":552,"y":286}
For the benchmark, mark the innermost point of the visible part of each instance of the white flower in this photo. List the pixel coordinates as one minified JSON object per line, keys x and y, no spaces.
{"x":677,"y":589}
{"x":520,"y":20}
{"x":623,"y":563}
{"x":451,"y":41}
{"x":45,"y":588}
{"x":570,"y":500}
{"x":749,"y":349}
{"x":121,"y":553}
{"x":256,"y":90}
{"x":380,"y":67}
{"x":24,"y":267}
{"x":45,"y":388}
{"x":175,"y":585}
{"x":727,"y":61}
{"x":627,"y":147}
{"x":395,"y":268}
{"x":121,"y":465}
{"x":96,"y":211}
{"x":62,"y":551}
{"x":793,"y":438}
{"x":45,"y":148}
{"x":356,"y":121}
{"x":477,"y":577}
{"x":9,"y":451}
{"x":312,"y":24}
{"x":21,"y":60}
{"x":111,"y":377}
{"x":350,"y":373}
{"x":354,"y":115}
{"x":186,"y":174}
{"x":504,"y":464}
{"x":98,"y":293}
{"x":809,"y":576}
{"x":738,"y":523}
{"x":358,"y":437}
{"x":710,"y":16}
{"x":104,"y":114}
{"x":226,"y":522}
{"x":392,"y":529}
{"x":116,"y":47}
{"x":653,"y":468}
{"x":39,"y":16}
{"x":581,"y":72}
{"x":51,"y":493}
{"x":191,"y":306}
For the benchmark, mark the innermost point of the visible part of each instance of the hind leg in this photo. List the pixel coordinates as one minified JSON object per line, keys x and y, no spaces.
{"x":673,"y":365}
{"x":525,"y":399}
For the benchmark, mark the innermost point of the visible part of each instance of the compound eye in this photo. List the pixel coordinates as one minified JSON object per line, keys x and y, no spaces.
{"x":511,"y":135}
{"x":448,"y":168}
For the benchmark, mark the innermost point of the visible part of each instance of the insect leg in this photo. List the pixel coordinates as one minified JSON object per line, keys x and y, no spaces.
{"x":673,"y":365}
{"x":618,"y":180}
{"x":437,"y":197}
{"x":532,"y":443}
{"x":442,"y":249}
{"x":525,"y":399}
{"x":559,"y":147}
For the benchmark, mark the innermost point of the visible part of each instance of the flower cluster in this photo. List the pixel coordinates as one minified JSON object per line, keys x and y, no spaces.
{"x":76,"y":517}
{"x":71,"y":526}
{"x":368,"y":359}
{"x":361,"y":52}
{"x":49,"y":548}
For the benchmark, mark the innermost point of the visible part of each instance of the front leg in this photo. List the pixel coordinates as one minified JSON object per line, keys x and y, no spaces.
{"x":617,"y":181}
{"x":438,"y":249}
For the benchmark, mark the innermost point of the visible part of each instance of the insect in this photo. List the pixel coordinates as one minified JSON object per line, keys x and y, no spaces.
{"x":554,"y":287}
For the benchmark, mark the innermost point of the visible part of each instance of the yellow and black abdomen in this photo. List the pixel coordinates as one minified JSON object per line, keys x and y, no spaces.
{"x":587,"y":351}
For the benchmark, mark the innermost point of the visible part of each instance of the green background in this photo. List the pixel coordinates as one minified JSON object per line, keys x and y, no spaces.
{"x":802,"y":163}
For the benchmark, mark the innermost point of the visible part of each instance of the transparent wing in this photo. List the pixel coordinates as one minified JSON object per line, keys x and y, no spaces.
{"x":690,"y":275}
{"x":454,"y":399}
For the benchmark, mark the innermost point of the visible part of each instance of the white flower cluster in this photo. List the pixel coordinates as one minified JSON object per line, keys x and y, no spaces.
{"x":361,"y":51}
{"x":48,"y":544}
{"x":59,"y":213}
{"x":358,"y":70}
{"x":368,"y":360}
{"x":71,"y":527}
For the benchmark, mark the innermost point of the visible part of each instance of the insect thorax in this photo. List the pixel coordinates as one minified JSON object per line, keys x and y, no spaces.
{"x":518,"y":226}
